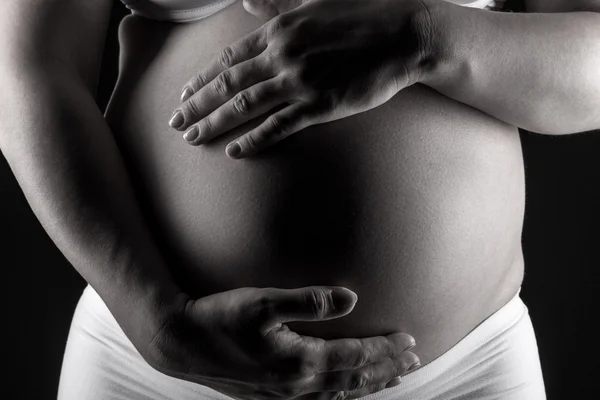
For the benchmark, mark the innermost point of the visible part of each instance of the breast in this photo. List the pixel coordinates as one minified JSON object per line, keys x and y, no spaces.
{"x":416,"y":205}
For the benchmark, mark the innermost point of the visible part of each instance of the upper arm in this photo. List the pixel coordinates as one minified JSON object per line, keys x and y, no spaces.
{"x":64,"y":34}
{"x":556,"y":6}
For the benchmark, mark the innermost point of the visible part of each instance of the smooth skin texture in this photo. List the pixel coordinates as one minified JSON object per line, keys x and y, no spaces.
{"x":385,"y":202}
{"x":65,"y":158}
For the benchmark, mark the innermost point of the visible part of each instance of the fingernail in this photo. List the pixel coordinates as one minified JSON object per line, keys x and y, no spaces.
{"x":177,"y":119}
{"x":186,"y":94}
{"x":233,"y":150}
{"x":410,"y":346}
{"x":394,"y":382}
{"x":414,"y":366}
{"x":343,"y":298}
{"x":191,"y":133}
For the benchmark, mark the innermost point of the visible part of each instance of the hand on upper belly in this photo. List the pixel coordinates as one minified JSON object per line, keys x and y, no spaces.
{"x":307,"y":61}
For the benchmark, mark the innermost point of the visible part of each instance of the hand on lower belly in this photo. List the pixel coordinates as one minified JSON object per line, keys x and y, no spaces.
{"x":236,"y":342}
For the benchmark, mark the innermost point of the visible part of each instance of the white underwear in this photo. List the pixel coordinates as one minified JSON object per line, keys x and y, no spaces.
{"x":497,"y":360}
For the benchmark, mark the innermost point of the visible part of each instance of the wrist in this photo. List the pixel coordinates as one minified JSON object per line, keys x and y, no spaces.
{"x":142,"y":302}
{"x":434,"y":43}
{"x":145,"y":322}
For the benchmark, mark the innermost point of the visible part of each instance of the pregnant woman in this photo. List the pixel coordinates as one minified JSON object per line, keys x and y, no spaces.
{"x":378,"y":152}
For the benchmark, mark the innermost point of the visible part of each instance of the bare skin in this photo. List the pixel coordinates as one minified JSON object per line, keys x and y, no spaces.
{"x":416,"y":205}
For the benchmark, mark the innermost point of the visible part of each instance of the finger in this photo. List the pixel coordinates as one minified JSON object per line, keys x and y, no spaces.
{"x":277,"y":127}
{"x":360,"y":382}
{"x":311,"y":303}
{"x":347,"y":354}
{"x":244,"y":106}
{"x":241,"y":50}
{"x":394,"y":382}
{"x":378,"y":373}
{"x":220,"y":90}
{"x":414,"y":366}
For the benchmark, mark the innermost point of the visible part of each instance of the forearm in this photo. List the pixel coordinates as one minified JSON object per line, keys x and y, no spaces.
{"x":60,"y":149}
{"x":538,"y":71}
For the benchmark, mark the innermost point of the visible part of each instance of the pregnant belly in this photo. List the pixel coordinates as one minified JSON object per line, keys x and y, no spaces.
{"x":416,"y":205}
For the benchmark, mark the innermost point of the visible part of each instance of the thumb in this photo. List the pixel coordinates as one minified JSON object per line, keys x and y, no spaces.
{"x":312,"y":303}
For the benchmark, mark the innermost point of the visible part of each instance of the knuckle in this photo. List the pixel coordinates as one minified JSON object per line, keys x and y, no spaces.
{"x":334,"y":360}
{"x":201,"y":80}
{"x":341,"y":395}
{"x":275,"y":57}
{"x":318,"y":301}
{"x":264,"y":298}
{"x":279,"y":23}
{"x":307,"y":88}
{"x":241,"y":104}
{"x":264,"y":306}
{"x":223,"y":83}
{"x":359,"y":380}
{"x":192,"y":108}
{"x":287,"y":82}
{"x":226,"y":57}
{"x":251,"y":142}
{"x":362,"y":356}
{"x":206,"y":126}
{"x":389,"y":349}
{"x":305,"y":367}
{"x":280,"y":125}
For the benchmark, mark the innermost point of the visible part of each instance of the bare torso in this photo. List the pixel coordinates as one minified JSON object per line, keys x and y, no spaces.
{"x":416,"y":205}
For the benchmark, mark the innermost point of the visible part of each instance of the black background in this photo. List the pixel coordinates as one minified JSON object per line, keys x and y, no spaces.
{"x":560,"y":239}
